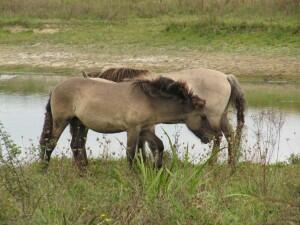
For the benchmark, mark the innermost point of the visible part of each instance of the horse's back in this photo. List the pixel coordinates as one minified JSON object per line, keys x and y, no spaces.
{"x":67,"y":96}
{"x":203,"y":80}
{"x":98,"y":101}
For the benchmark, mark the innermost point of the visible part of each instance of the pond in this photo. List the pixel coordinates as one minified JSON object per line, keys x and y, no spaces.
{"x":273,"y":129}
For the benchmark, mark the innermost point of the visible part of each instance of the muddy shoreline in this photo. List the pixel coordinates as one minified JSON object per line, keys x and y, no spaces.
{"x":71,"y":59}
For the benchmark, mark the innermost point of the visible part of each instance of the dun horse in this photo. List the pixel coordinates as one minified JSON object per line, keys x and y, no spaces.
{"x":109,"y":107}
{"x":218,"y":89}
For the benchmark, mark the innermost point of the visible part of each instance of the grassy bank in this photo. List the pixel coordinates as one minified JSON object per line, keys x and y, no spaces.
{"x":110,"y":193}
{"x":157,"y":35}
{"x":122,"y":26}
{"x":282,"y":96}
{"x":30,"y":85}
{"x":181,"y":193}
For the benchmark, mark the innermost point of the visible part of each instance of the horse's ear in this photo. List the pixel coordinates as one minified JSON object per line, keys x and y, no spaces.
{"x":84,"y":74}
{"x":198,"y":103}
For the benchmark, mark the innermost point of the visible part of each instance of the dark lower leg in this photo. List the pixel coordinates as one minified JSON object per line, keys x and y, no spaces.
{"x":156,"y":146}
{"x":79,"y":158}
{"x":141,"y":148}
{"x":132,"y":141}
{"x":47,"y":149}
{"x":79,"y":134}
{"x":215,"y":150}
{"x":231,"y":150}
{"x":46,"y":134}
{"x":229,"y":135}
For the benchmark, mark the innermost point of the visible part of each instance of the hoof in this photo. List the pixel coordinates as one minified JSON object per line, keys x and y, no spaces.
{"x":43,"y":167}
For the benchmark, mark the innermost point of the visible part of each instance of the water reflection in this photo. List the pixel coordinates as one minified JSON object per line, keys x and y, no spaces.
{"x":22,"y":117}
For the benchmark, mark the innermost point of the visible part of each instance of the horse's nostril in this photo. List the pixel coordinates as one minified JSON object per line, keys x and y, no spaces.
{"x":205,"y":140}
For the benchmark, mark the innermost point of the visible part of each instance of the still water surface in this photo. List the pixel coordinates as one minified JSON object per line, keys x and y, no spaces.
{"x":22,"y":117}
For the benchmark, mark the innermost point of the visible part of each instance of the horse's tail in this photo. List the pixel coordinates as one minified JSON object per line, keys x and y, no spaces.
{"x":47,"y":129}
{"x":238,"y":100}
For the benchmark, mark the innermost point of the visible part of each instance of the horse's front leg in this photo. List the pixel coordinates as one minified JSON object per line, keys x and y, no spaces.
{"x":156,"y":146}
{"x":204,"y":132}
{"x":132,"y":141}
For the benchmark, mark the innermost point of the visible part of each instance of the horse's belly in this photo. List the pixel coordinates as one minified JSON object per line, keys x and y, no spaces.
{"x":105,"y":126}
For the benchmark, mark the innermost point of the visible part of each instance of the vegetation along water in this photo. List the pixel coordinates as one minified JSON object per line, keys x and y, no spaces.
{"x":43,"y":42}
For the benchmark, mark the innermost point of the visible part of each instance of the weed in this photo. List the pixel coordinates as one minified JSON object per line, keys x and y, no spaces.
{"x":179,"y":193}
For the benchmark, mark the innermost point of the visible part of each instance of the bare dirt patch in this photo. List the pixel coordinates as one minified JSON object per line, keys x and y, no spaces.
{"x":62,"y":57}
{"x":46,"y":30}
{"x":16,"y":29}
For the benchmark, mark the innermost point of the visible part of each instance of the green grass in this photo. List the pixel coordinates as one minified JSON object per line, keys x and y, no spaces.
{"x":180,"y":193}
{"x":111,"y":193}
{"x":234,"y":34}
{"x":29,"y":84}
{"x":36,"y":70}
{"x":284,"y":96}
{"x":173,"y":34}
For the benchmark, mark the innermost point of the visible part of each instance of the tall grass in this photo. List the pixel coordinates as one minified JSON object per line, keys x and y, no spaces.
{"x":179,"y":193}
{"x":116,"y":9}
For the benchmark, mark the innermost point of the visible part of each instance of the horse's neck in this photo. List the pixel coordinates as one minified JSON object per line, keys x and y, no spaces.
{"x":170,"y":111}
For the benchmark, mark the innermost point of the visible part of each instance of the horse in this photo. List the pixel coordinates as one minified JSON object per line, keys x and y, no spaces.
{"x":218,"y":89}
{"x":109,"y":107}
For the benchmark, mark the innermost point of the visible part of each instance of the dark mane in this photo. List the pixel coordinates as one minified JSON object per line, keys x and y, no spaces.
{"x":163,"y":87}
{"x":120,"y":74}
{"x":117,"y":74}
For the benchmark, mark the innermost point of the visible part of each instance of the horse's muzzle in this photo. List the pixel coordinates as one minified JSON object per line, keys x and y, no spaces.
{"x":204,"y":139}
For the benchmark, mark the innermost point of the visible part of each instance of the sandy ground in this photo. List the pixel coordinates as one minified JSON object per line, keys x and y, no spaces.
{"x":62,"y":57}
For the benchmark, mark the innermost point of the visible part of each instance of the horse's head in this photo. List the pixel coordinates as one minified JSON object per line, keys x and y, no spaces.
{"x":200,"y":126}
{"x":205,"y":135}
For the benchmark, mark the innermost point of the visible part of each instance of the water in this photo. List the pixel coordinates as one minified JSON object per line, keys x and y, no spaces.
{"x":22,"y":117}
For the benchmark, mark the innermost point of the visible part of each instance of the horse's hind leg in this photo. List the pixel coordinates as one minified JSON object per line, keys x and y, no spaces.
{"x":142,"y":143}
{"x":58,"y":128}
{"x":229,"y":135}
{"x":79,"y":134}
{"x":216,"y":149}
{"x":141,"y":148}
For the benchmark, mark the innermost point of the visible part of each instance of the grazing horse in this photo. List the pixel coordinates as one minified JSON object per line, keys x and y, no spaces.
{"x":108,"y":107}
{"x":218,"y":89}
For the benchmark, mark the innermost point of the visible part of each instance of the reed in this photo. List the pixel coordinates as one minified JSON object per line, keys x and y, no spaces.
{"x":119,"y":9}
{"x":179,"y":193}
